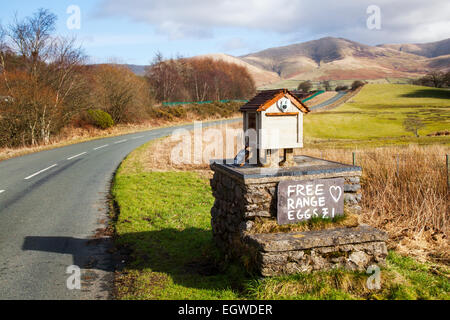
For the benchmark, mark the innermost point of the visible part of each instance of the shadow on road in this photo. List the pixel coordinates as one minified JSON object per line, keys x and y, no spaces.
{"x":86,"y":253}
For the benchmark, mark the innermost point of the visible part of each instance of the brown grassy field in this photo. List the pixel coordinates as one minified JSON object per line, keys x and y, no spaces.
{"x":404,"y":190}
{"x":405,"y":193}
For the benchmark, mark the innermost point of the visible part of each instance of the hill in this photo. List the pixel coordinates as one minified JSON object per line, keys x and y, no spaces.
{"x":137,"y":69}
{"x":429,"y":50}
{"x":339,"y":59}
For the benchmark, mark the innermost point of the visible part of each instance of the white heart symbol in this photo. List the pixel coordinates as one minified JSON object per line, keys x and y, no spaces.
{"x":333,"y":191}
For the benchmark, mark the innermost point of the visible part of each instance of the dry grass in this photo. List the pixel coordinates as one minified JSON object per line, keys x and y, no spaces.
{"x":157,"y":156}
{"x":405,"y":193}
{"x":268,"y":225}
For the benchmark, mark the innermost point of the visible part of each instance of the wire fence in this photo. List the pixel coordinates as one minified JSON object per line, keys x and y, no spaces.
{"x":404,"y":188}
{"x":171,"y":104}
{"x":399,"y":160}
{"x":395,"y":161}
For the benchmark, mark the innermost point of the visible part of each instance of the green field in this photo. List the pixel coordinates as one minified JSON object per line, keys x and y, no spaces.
{"x":377,"y":113}
{"x":164,"y":229}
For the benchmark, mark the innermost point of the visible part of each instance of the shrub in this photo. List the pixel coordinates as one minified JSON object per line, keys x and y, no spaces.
{"x":413,"y":124}
{"x":13,"y":132}
{"x":356,"y":84}
{"x":341,"y":88}
{"x":436,"y":79}
{"x":101,"y":118}
{"x":305,"y":86}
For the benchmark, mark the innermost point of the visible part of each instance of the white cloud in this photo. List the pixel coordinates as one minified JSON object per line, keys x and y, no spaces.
{"x":402,"y":20}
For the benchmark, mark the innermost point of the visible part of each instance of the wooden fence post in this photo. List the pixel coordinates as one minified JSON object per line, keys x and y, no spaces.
{"x":448,"y":172}
{"x":354,"y":158}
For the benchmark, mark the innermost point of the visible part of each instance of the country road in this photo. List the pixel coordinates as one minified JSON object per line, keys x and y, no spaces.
{"x":329,"y":101}
{"x":51,"y":204}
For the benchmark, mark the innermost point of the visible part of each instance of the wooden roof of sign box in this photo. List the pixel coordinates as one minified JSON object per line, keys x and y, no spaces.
{"x":265,"y":99}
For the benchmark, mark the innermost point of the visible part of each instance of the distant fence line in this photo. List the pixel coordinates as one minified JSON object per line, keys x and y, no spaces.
{"x":313,"y":96}
{"x":171,"y":104}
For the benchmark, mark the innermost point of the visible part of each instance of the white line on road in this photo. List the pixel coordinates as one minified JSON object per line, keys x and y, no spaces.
{"x":101,"y":147}
{"x":75,"y":156}
{"x":1,"y":191}
{"x":120,"y":141}
{"x":138,"y":137}
{"x":43,"y":170}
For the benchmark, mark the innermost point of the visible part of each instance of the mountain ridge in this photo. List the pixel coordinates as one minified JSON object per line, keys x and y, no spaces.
{"x":429,"y":49}
{"x":332,"y":58}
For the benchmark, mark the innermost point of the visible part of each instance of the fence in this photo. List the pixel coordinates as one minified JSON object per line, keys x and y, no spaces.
{"x":401,"y":159}
{"x":171,"y":104}
{"x":404,"y":188}
{"x":395,"y":160}
{"x":313,"y":96}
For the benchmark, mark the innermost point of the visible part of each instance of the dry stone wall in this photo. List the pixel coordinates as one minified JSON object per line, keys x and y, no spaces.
{"x":238,"y":203}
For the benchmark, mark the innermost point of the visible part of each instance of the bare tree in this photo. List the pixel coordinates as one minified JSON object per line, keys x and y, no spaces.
{"x":164,"y":77}
{"x":413,"y":124}
{"x":447,"y":79}
{"x":305,"y":86}
{"x":47,"y":86}
{"x":198,"y":79}
{"x":327,"y":85}
{"x":437,"y":78}
{"x":433,"y":79}
{"x":119,"y":92}
{"x":32,"y":38}
{"x":356,"y":84}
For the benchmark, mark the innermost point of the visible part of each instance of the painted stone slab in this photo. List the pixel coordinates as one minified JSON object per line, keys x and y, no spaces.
{"x":302,"y":200}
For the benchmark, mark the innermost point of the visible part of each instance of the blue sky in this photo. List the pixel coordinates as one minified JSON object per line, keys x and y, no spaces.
{"x":132,"y":31}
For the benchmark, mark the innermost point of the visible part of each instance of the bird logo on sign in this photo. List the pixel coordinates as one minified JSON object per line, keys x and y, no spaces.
{"x":283,"y":104}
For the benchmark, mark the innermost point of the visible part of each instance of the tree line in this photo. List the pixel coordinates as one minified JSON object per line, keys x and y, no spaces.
{"x":306,"y":86}
{"x":46,"y":84}
{"x":436,"y":79}
{"x":198,"y":79}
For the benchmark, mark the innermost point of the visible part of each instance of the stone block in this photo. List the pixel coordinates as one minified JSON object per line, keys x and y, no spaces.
{"x":352,"y":187}
{"x":349,"y":248}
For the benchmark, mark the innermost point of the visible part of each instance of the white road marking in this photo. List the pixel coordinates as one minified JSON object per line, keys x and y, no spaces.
{"x":1,"y":191}
{"x":117,"y":142}
{"x":138,"y":137}
{"x":39,"y":172}
{"x":75,"y":156}
{"x":106,"y":145}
